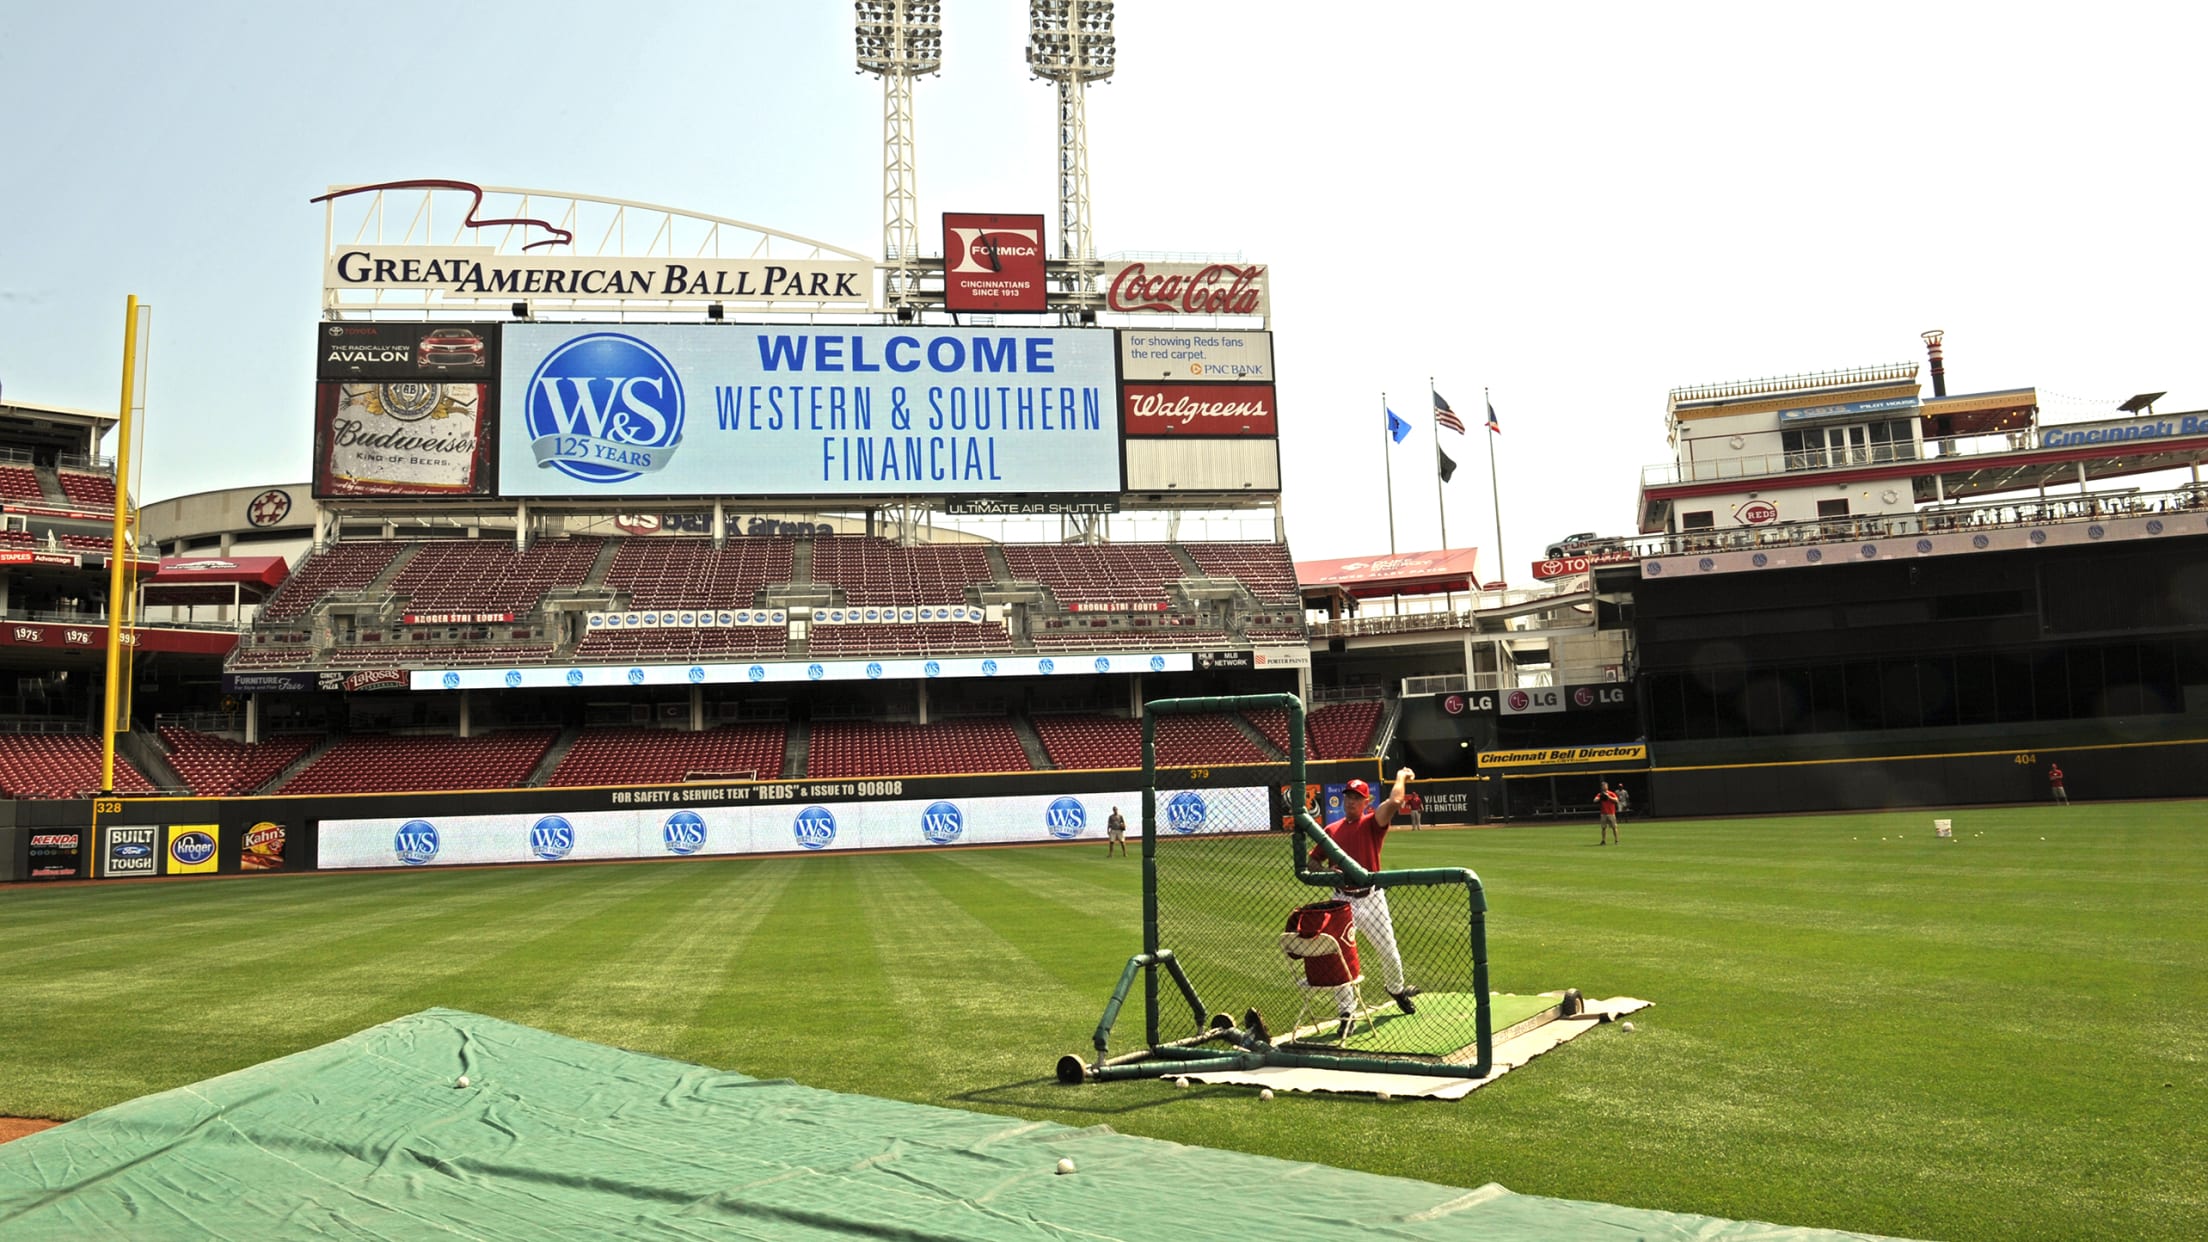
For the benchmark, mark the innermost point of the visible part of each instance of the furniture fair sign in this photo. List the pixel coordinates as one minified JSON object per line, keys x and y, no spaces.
{"x":708,"y":410}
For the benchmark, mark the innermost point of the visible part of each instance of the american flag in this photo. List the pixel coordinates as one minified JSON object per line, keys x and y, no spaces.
{"x":1446,"y":416}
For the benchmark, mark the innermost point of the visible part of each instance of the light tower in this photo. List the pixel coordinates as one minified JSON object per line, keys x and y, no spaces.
{"x":900,"y":40}
{"x":1070,"y":43}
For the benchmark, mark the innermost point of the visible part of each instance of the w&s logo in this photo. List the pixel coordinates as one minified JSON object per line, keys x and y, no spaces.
{"x":604,"y":408}
{"x":1184,"y":813}
{"x":814,"y":828}
{"x":552,"y":838}
{"x":1065,"y":818}
{"x":942,"y":822}
{"x":415,"y":842}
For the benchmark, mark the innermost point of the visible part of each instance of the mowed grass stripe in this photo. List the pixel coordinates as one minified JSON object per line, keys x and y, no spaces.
{"x":800,"y":993}
{"x":1968,"y":1044}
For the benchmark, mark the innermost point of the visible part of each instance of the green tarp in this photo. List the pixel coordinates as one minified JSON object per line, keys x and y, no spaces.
{"x":370,"y":1137}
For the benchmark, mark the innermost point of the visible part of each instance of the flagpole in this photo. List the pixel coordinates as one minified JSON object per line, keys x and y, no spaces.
{"x":1440,"y":501}
{"x":1493,"y":488}
{"x":1387,"y":441}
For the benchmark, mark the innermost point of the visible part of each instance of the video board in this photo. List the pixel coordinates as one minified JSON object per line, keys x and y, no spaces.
{"x":668,"y":410}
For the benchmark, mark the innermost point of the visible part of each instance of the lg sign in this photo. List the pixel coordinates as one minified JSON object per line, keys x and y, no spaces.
{"x":993,"y":263}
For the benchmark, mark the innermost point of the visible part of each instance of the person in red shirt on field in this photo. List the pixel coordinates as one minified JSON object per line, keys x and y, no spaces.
{"x":2054,"y":783}
{"x":1606,"y":804}
{"x":1360,"y":833}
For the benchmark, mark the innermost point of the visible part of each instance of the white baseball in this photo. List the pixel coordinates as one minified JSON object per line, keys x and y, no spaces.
{"x":1385,"y":1097}
{"x":463,"y":1080}
{"x":1065,"y":1164}
{"x":1265,"y":1094}
{"x":1627,"y":1025}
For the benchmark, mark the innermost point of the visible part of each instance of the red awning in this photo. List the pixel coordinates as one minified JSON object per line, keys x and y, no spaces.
{"x":264,"y":571}
{"x":1407,"y":573}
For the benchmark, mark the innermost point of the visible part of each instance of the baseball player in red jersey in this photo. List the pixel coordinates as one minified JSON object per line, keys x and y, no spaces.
{"x":1360,"y":832}
{"x":1606,"y":805}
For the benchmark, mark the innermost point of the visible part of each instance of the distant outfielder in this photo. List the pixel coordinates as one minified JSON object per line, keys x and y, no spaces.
{"x":1606,"y":804}
{"x":2054,"y":784}
{"x":1360,"y":833}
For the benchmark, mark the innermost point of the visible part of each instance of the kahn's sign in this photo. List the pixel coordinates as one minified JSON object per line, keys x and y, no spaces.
{"x":480,"y":272}
{"x":993,"y":263}
{"x":1188,"y":288}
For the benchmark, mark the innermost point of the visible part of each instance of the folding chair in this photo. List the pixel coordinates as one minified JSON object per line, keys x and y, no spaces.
{"x":1322,"y":939}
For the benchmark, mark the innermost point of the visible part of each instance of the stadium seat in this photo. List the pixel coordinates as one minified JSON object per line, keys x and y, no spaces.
{"x":218,"y":767}
{"x":868,"y":748}
{"x":60,"y":765}
{"x":374,"y":763}
{"x":630,"y":755}
{"x":1344,"y":730}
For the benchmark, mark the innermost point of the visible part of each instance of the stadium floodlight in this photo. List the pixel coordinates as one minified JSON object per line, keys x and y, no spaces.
{"x":1070,"y":43}
{"x":900,"y":40}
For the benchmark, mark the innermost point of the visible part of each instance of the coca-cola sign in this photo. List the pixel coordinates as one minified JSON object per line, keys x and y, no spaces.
{"x":1188,"y":288}
{"x":1200,"y":410}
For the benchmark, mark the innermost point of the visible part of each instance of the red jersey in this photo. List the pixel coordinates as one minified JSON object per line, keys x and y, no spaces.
{"x":2054,"y":777}
{"x":1359,"y":838}
{"x":1606,"y":802}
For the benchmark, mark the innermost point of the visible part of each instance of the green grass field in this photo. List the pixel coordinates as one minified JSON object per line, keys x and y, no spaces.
{"x":1857,"y":1025}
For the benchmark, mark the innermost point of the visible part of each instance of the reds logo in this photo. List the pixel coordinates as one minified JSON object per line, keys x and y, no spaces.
{"x":269,"y":508}
{"x":1519,"y":700}
{"x":1759,"y":513}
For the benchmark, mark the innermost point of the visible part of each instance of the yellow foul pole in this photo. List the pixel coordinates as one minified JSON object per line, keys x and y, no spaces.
{"x":118,"y":563}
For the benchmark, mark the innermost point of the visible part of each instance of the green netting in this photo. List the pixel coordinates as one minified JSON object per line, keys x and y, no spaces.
{"x":368,"y":1137}
{"x":1226,"y":880}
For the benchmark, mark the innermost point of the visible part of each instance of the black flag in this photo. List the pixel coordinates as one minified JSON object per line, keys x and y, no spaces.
{"x":1448,"y":467}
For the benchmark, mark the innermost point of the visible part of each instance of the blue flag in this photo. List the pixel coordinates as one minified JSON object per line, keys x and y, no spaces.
{"x":1397,"y":428}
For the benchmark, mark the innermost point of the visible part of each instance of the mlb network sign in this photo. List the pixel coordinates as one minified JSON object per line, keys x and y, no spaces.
{"x":793,"y":410}
{"x":993,"y":263}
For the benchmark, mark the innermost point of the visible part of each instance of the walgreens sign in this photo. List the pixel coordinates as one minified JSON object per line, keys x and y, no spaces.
{"x":1200,"y":410}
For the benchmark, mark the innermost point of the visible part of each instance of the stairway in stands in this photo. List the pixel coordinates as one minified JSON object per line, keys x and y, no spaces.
{"x":542,"y":773}
{"x":797,"y":746}
{"x":1038,"y":758}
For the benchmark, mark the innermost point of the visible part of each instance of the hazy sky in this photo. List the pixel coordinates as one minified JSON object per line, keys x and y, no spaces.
{"x":1578,"y":208}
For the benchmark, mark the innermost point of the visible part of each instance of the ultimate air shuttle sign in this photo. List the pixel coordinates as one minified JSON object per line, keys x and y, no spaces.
{"x":708,"y":410}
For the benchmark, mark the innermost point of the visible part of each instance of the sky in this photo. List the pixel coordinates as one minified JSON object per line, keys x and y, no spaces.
{"x":1572,"y":209}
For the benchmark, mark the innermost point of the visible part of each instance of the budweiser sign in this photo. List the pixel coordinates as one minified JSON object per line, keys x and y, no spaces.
{"x":1200,"y":410}
{"x":1188,"y":288}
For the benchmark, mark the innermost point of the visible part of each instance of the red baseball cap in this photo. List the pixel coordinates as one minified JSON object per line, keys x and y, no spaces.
{"x":1359,"y":788}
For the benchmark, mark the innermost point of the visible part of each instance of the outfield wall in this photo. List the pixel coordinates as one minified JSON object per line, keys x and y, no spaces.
{"x":151,"y":837}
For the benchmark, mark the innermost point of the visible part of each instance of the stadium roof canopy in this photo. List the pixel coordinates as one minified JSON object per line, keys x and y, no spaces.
{"x":1406,"y":573}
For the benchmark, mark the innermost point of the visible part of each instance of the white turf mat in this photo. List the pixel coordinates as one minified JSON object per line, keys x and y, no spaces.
{"x":1508,"y":1056}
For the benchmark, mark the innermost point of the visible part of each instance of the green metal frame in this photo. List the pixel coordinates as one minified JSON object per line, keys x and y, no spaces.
{"x":1194,"y":1056}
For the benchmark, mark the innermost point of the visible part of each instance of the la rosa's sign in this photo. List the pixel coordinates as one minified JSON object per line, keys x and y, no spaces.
{"x":1189,"y":288}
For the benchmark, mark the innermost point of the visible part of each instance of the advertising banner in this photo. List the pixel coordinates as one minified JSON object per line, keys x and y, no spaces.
{"x":1611,"y":696}
{"x":1545,"y":757}
{"x":1207,"y":410}
{"x":1028,"y":506}
{"x":993,"y":263}
{"x":25,"y":556}
{"x":1188,"y":288}
{"x":57,"y":855}
{"x":708,"y":410}
{"x":1282,"y":657}
{"x":282,"y":681}
{"x":94,"y":637}
{"x":1566,"y":566}
{"x":191,"y":848}
{"x":435,"y":353}
{"x":402,"y":439}
{"x":480,"y":272}
{"x":787,"y":828}
{"x":2124,"y":431}
{"x":1532,"y":700}
{"x":1184,"y":355}
{"x":262,"y":847}
{"x":126,"y":851}
{"x":455,"y":618}
{"x":1065,"y":664}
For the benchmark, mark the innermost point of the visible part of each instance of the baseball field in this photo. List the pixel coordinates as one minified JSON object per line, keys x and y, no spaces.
{"x":1857,"y":1024}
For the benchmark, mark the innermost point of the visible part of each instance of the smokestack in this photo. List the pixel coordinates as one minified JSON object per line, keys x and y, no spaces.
{"x":1939,"y":365}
